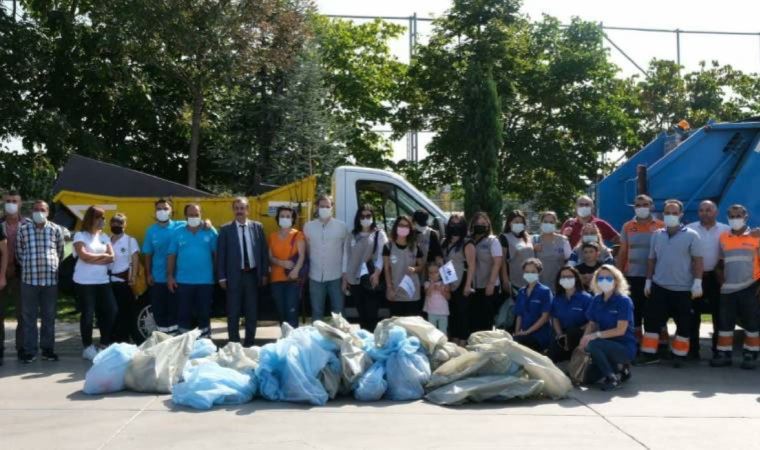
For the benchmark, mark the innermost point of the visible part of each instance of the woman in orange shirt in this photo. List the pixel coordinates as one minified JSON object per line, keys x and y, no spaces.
{"x":287,"y":251}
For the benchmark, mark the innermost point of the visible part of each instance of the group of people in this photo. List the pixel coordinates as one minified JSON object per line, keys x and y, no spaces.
{"x":567,"y":286}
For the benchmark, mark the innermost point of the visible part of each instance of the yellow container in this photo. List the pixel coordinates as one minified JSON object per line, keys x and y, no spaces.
{"x":140,"y":211}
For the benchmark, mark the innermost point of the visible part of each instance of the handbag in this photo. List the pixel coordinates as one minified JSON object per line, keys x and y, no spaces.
{"x":304,"y":272}
{"x":578,"y":366}
{"x":137,"y":274}
{"x":364,"y":280}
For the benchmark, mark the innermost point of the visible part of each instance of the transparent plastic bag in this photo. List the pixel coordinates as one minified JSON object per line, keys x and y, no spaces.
{"x":108,"y":369}
{"x":206,"y":385}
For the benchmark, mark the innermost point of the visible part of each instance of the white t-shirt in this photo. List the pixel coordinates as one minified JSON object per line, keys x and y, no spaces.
{"x":123,"y":249}
{"x":710,"y":242}
{"x":86,"y":273}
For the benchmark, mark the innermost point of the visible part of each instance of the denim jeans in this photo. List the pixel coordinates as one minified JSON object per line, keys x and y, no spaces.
{"x":606,"y":355}
{"x":38,"y":301}
{"x":318,"y":290}
{"x":439,"y":321}
{"x":287,"y":296}
{"x":194,"y":307}
{"x":96,"y":299}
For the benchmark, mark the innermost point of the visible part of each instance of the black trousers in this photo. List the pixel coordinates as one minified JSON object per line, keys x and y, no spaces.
{"x":639,"y":299}
{"x":558,"y":353}
{"x":12,"y":289}
{"x":96,"y":300}
{"x":708,"y":304}
{"x":125,"y":324}
{"x":742,"y":307}
{"x":367,"y":304}
{"x":481,"y":309}
{"x":243,"y":300}
{"x":665,"y":304}
{"x":405,"y":309}
{"x":459,"y":323}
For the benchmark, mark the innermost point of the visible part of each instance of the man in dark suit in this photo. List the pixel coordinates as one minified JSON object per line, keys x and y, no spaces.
{"x":243,"y":264}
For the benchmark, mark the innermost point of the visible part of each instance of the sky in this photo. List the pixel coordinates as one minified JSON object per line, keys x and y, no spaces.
{"x":742,"y":52}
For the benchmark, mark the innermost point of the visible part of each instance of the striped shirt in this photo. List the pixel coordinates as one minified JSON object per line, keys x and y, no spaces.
{"x":39,"y":251}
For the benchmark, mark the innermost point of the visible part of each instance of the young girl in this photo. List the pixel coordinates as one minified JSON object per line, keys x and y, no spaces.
{"x":437,"y":297}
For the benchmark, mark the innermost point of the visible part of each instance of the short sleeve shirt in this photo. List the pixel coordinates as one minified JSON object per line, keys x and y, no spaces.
{"x":575,"y":225}
{"x":195,"y":255}
{"x":123,"y":249}
{"x":84,"y":272}
{"x":607,"y":314}
{"x":673,"y":269}
{"x":156,"y":244}
{"x":531,"y":307}
{"x":283,"y":248}
{"x":571,"y":313}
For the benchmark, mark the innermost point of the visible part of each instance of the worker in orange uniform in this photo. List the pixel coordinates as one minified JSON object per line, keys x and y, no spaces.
{"x":740,"y":261}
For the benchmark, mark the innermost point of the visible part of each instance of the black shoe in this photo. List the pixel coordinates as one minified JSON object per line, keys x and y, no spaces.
{"x":721,"y":359}
{"x":28,"y":359}
{"x":678,"y":361}
{"x":646,"y":359}
{"x":749,"y":361}
{"x":48,"y":355}
{"x":20,"y":355}
{"x":611,"y":384}
{"x":693,"y":356}
{"x":625,"y":374}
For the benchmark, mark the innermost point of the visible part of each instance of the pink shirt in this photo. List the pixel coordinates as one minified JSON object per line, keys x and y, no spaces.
{"x":435,"y":302}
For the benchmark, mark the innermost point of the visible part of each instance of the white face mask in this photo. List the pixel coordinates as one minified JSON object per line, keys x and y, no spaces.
{"x":11,"y":208}
{"x":517,"y":228}
{"x":672,"y":220}
{"x":325,"y":213}
{"x":590,"y":238}
{"x":162,"y":215}
{"x":366,"y":223}
{"x":530,"y":277}
{"x":736,"y":224}
{"x":194,"y":222}
{"x":606,"y":286}
{"x":285,"y":222}
{"x":39,"y":217}
{"x":548,"y":228}
{"x":583,"y":211}
{"x":567,"y":283}
{"x":643,"y":213}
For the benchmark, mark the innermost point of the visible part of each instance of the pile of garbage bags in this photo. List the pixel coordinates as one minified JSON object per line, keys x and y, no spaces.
{"x":406,"y":358}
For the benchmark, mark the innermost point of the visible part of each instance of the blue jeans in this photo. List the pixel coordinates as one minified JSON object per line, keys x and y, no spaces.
{"x":287,"y":296}
{"x":163,"y":305}
{"x":318,"y":290}
{"x":606,"y":355}
{"x":439,"y":321}
{"x":194,"y":304}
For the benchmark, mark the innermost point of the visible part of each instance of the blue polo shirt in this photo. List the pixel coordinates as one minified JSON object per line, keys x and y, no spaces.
{"x":571,"y":313}
{"x":157,"y":240}
{"x":195,"y":255}
{"x":530,"y":309}
{"x":606,"y":315}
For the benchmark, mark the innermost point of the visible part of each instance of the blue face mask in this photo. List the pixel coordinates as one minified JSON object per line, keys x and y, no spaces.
{"x":530,"y":277}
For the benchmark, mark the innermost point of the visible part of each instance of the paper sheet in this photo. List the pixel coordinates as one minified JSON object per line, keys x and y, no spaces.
{"x":448,"y":273}
{"x":407,"y":284}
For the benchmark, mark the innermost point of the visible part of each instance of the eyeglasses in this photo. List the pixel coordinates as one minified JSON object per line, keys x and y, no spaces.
{"x":605,"y":278}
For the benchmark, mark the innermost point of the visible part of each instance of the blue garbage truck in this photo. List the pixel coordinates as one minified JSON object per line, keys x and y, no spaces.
{"x":718,"y":162}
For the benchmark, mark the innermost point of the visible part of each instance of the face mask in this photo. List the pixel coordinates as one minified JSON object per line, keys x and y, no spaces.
{"x":671,"y":220}
{"x":606,"y":286}
{"x":590,"y":238}
{"x":194,"y":222}
{"x":517,"y":228}
{"x":116,"y":229}
{"x":402,"y":231}
{"x":162,"y":215}
{"x":366,"y":223}
{"x":583,"y":211}
{"x":39,"y":217}
{"x":480,"y":229}
{"x":325,"y":213}
{"x":285,"y":222}
{"x":530,"y":277}
{"x":11,"y":208}
{"x":567,"y":283}
{"x":736,"y":224}
{"x":548,"y":228}
{"x":643,"y":213}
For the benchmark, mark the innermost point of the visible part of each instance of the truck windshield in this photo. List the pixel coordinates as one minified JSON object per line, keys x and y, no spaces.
{"x":388,"y":201}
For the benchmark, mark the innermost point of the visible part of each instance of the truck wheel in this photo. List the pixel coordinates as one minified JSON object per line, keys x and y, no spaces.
{"x":145,"y":323}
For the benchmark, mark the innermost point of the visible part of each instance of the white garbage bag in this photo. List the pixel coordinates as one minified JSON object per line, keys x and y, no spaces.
{"x":478,"y":389}
{"x":430,"y":337}
{"x":159,"y":362}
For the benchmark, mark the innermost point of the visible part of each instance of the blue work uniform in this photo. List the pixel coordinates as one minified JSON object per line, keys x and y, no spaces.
{"x":571,"y":313}
{"x":157,"y":240}
{"x":530,"y":308}
{"x":195,"y":255}
{"x":606,"y":315}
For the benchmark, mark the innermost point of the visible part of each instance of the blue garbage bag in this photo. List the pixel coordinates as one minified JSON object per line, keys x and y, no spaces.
{"x":210,"y":384}
{"x":397,"y":339}
{"x":108,"y":369}
{"x":407,"y":374}
{"x":371,"y":386}
{"x":289,"y":368}
{"x":203,"y":348}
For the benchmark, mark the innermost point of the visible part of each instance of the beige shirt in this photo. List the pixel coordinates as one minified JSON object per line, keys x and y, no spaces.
{"x":326,"y":248}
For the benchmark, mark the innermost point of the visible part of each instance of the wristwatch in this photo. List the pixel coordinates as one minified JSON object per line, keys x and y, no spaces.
{"x":598,"y":335}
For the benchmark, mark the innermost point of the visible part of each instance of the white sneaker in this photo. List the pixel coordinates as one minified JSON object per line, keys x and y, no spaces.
{"x":90,"y":353}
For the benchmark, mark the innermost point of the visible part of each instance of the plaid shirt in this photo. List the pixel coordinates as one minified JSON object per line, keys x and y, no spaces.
{"x":39,"y":251}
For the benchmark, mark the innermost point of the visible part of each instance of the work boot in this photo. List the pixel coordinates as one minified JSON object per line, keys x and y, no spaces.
{"x":749,"y":361}
{"x":678,"y":361}
{"x":721,"y":359}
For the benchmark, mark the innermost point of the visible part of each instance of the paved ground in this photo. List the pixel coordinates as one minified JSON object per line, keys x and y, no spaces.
{"x":42,"y":406}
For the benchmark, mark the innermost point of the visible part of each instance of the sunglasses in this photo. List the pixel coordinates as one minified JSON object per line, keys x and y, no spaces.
{"x":605,"y":278}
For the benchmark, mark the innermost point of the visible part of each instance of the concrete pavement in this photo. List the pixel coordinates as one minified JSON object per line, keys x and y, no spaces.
{"x":42,"y":406}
